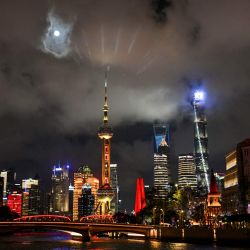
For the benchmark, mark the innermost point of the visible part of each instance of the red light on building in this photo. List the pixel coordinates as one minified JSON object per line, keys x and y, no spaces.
{"x":140,"y":201}
{"x":15,"y":202}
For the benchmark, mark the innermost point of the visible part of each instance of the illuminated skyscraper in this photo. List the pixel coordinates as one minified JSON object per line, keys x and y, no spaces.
{"x":236,"y":193}
{"x":14,"y":201}
{"x":86,"y":201}
{"x":83,"y":177}
{"x":115,"y":187}
{"x":1,"y":190}
{"x":60,"y":189}
{"x":9,"y":183}
{"x":161,"y":160}
{"x":105,"y":193}
{"x":31,"y":197}
{"x":71,"y":195}
{"x":186,"y":171}
{"x":200,"y":142}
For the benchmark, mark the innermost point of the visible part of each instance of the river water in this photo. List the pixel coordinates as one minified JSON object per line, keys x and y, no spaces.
{"x":62,"y":241}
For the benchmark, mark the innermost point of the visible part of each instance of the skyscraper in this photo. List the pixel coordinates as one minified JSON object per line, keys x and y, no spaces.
{"x":186,"y":171}
{"x":83,"y":177}
{"x":105,"y":193}
{"x":86,"y":201}
{"x":161,"y":160}
{"x":236,"y":193}
{"x":115,"y":187}
{"x":31,"y":197}
{"x":1,"y":190}
{"x":14,"y":201}
{"x":9,"y":183}
{"x":200,"y":142}
{"x":60,"y":189}
{"x":71,"y":195}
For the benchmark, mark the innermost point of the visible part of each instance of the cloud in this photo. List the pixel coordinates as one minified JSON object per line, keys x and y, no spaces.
{"x":57,"y":39}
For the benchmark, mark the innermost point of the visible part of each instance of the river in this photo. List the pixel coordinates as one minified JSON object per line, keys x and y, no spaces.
{"x":62,"y":241}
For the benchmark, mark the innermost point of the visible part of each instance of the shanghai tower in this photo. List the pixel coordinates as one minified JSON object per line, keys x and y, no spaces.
{"x":200,"y":142}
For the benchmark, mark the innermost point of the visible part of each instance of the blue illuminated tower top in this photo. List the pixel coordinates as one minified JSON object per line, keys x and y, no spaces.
{"x":161,"y":132}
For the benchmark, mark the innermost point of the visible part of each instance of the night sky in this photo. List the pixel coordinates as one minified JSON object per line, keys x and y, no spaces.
{"x":52,"y":83}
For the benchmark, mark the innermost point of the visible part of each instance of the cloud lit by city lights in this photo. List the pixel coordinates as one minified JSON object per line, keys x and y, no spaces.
{"x":57,"y":37}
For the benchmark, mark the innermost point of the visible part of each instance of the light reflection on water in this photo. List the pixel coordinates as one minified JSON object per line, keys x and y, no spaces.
{"x":62,"y":241}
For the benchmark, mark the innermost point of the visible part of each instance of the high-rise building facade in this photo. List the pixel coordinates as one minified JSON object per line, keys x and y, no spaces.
{"x":14,"y":201}
{"x":114,"y":185}
{"x":200,"y":142}
{"x":9,"y":183}
{"x":86,"y":201}
{"x":71,"y":195}
{"x":236,"y":193}
{"x":83,"y":177}
{"x":161,"y":160}
{"x":105,"y":193}
{"x":60,"y":189}
{"x":31,"y":197}
{"x":186,"y":171}
{"x":1,"y":190}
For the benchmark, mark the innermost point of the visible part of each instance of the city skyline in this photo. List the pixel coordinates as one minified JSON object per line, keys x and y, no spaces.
{"x":51,"y":99}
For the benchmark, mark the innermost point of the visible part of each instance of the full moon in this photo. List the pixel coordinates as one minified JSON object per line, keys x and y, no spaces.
{"x":57,"y":33}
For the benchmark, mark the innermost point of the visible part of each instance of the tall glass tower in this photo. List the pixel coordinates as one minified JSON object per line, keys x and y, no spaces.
{"x":200,"y":142}
{"x":114,"y":185}
{"x":161,"y":160}
{"x":60,"y":189}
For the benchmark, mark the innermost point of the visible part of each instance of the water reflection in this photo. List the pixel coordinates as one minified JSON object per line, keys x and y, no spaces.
{"x":62,"y":241}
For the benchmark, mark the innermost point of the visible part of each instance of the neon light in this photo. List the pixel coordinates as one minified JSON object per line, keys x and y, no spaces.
{"x":58,"y":169}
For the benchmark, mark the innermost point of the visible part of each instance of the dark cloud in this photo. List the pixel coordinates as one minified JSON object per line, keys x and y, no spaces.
{"x":160,"y":8}
{"x":51,"y":108}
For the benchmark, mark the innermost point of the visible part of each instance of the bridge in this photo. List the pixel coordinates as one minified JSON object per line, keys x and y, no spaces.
{"x":86,"y":229}
{"x":44,"y":217}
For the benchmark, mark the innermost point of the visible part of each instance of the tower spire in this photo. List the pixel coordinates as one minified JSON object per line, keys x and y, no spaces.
{"x":105,"y":107}
{"x":105,"y":193}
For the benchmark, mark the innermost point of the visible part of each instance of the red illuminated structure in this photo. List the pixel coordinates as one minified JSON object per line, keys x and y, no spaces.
{"x":213,"y":206}
{"x":14,"y":201}
{"x":44,"y":217}
{"x":140,"y":201}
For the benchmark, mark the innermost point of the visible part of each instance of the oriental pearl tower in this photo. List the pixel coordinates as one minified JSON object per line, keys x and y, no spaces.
{"x":105,"y":193}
